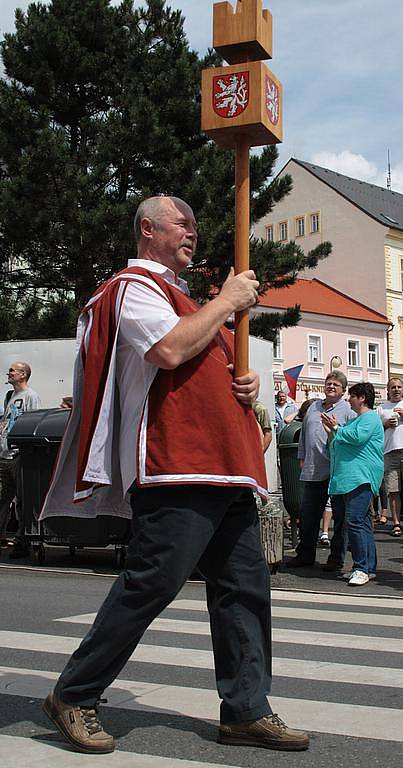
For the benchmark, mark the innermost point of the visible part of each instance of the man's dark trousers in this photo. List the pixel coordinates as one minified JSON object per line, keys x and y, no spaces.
{"x":312,"y":508}
{"x":176,"y":528}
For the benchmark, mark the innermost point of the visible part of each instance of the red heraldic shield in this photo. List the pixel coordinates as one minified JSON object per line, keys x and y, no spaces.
{"x":231,"y":94}
{"x":272,"y":101}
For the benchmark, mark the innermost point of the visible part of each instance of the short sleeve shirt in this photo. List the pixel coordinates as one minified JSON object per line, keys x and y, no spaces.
{"x":312,"y":447}
{"x":262,"y":416}
{"x":147,"y":316}
{"x":19,"y":402}
{"x":393,"y":436}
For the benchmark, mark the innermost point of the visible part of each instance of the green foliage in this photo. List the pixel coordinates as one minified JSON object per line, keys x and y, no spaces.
{"x":107,"y":104}
{"x":32,"y":318}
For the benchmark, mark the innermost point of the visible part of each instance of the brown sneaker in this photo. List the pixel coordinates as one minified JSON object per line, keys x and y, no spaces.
{"x":269,"y":732}
{"x":79,"y":725}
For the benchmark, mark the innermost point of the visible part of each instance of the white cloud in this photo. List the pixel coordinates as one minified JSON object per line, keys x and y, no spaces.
{"x":358,"y":167}
{"x":348,"y":163}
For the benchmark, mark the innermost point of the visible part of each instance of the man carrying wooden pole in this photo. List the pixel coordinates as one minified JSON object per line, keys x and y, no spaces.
{"x":185,"y":446}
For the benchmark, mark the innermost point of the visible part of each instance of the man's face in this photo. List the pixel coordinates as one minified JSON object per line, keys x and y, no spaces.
{"x":281,"y":398}
{"x":174,"y":236}
{"x":16,"y":373}
{"x":395,"y":390}
{"x":333,"y":390}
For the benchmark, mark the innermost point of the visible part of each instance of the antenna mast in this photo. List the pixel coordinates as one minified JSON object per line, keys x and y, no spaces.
{"x":389,"y":177}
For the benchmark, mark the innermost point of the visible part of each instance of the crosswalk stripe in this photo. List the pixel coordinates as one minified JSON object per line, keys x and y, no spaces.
{"x":350,"y":600}
{"x":187,"y":626}
{"x":343,"y":617}
{"x":51,"y":643}
{"x":302,"y":669}
{"x":335,"y":640}
{"x":331,"y":598}
{"x":322,"y":717}
{"x":14,"y":752}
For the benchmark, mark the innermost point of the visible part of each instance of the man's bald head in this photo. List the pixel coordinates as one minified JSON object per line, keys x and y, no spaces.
{"x":166,"y":232}
{"x":155,"y":208}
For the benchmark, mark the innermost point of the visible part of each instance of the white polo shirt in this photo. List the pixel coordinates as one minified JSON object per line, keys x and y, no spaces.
{"x":146,"y":318}
{"x":393,"y":435}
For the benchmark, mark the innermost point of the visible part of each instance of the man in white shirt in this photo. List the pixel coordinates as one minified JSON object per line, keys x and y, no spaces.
{"x":285,"y":411}
{"x":185,"y":512}
{"x":19,"y":399}
{"x":391,"y":414}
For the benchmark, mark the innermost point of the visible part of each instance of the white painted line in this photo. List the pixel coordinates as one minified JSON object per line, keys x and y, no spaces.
{"x":343,"y":617}
{"x":323,"y":717}
{"x":350,"y":600}
{"x":188,"y":626}
{"x":315,"y":614}
{"x":328,"y":672}
{"x":18,"y":752}
{"x":333,"y":640}
{"x":55,"y":643}
{"x":330,"y":598}
{"x":147,"y":654}
{"x":158,"y":625}
{"x":303,"y":669}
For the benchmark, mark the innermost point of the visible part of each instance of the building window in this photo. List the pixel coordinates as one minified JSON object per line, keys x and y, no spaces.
{"x":353,"y":356}
{"x":314,"y":220}
{"x":269,"y":233}
{"x":373,"y":355}
{"x":314,"y":349}
{"x":300,"y":226}
{"x":283,"y":230}
{"x":277,"y":351}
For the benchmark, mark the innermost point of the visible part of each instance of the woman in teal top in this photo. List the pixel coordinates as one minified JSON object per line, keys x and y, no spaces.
{"x":356,"y":472}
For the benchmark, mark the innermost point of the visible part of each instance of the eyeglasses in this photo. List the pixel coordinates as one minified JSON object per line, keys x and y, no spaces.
{"x":333,"y":384}
{"x":15,"y":370}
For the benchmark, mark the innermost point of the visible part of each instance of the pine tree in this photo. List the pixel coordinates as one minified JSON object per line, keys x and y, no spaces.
{"x":100,"y":107}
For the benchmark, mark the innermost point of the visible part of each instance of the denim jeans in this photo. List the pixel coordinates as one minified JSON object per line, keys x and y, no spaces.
{"x":359,"y":527}
{"x":312,"y":508}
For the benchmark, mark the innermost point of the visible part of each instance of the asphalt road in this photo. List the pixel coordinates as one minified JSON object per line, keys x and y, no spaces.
{"x":337,"y":657}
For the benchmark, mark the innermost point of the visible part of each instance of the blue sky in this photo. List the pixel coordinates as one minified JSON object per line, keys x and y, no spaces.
{"x":340,"y":65}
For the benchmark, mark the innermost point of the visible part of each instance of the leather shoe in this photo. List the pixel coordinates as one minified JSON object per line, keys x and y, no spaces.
{"x":80,"y":726}
{"x":269,"y":732}
{"x":296,"y":562}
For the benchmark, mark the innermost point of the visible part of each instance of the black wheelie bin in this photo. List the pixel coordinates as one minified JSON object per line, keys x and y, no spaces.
{"x":37,"y":435}
{"x":292,"y":486}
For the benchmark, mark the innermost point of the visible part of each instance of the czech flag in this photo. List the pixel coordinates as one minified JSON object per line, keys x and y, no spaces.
{"x":291,"y":377}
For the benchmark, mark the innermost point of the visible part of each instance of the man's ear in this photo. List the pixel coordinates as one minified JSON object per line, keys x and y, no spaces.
{"x":146,"y":227}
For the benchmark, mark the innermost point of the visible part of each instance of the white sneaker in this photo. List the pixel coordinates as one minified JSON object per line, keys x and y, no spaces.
{"x":358,"y":578}
{"x":324,"y":540}
{"x":347,"y":576}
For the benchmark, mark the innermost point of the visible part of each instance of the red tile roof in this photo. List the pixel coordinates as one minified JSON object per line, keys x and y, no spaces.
{"x":321,"y":299}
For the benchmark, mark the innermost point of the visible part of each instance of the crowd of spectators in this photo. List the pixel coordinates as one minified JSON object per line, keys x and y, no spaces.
{"x":352,"y":456}
{"x":351,"y":459}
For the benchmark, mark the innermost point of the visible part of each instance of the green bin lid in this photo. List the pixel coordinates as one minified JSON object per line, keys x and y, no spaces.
{"x":290,"y":433}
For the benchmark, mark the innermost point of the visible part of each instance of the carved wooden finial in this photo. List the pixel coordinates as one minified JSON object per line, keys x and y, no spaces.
{"x":243,"y":35}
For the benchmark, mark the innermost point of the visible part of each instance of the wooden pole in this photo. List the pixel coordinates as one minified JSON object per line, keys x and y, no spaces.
{"x":242,"y":219}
